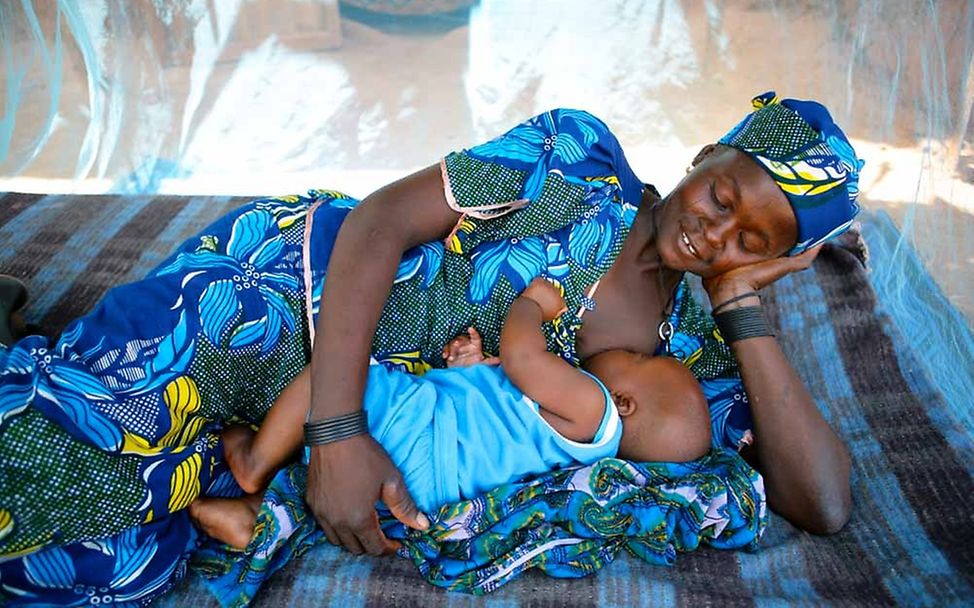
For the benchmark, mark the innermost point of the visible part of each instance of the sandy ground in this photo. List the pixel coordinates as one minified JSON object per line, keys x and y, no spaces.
{"x":243,"y":96}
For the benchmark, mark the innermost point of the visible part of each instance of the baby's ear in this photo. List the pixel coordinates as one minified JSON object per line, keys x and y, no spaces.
{"x":624,"y":403}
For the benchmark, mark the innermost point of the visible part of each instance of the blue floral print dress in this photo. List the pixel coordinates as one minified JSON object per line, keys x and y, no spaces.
{"x":107,"y":435}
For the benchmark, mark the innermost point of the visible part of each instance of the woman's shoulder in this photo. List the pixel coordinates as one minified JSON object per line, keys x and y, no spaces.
{"x":587,"y":128}
{"x":582,"y":118}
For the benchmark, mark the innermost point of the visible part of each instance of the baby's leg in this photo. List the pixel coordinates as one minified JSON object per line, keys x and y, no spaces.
{"x":255,"y":457}
{"x":230,"y":520}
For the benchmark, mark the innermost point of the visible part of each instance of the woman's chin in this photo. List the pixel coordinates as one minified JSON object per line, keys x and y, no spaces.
{"x":675,"y":259}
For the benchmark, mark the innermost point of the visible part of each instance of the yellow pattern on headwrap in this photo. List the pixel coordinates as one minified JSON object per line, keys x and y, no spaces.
{"x":764,"y":100}
{"x":802,"y":179}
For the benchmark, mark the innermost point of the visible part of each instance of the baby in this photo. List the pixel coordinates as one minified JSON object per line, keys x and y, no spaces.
{"x":459,"y":432}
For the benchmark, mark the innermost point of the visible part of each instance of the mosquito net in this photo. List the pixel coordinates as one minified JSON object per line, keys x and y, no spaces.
{"x":277,"y":96}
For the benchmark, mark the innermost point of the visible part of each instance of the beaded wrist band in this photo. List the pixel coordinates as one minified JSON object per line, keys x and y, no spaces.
{"x":742,"y":323}
{"x":334,"y":429}
{"x":726,"y":303}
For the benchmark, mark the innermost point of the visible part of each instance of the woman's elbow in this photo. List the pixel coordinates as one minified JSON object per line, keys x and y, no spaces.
{"x":829,"y":519}
{"x":820,"y":504}
{"x":831,"y":510}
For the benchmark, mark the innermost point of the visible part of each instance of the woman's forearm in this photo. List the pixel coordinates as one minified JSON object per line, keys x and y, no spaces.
{"x":361,"y":270}
{"x":804,"y":463}
{"x":359,"y":279}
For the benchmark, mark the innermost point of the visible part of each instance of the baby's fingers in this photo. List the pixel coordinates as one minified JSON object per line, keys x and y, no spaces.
{"x":468,"y":347}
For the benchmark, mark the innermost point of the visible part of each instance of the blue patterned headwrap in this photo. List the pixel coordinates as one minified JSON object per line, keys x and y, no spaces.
{"x":810,"y":159}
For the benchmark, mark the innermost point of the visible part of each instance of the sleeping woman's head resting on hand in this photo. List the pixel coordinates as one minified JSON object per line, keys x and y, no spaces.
{"x":782,"y":181}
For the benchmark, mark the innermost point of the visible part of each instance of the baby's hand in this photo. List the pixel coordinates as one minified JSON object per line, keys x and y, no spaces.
{"x":466,"y":350}
{"x":547,"y":296}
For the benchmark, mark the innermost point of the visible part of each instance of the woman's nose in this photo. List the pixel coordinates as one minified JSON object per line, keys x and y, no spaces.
{"x":716,"y":231}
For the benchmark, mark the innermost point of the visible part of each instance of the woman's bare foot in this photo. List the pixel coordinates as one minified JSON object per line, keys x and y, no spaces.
{"x":237,"y":441}
{"x":230,"y":520}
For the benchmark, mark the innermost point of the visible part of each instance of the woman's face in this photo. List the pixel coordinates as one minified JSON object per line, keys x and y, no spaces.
{"x":726,"y":213}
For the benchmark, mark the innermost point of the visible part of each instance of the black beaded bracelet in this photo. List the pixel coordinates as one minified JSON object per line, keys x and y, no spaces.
{"x":334,"y":429}
{"x":726,"y":303}
{"x":742,"y":323}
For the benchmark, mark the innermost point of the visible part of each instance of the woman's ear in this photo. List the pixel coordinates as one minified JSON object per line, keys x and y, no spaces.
{"x":625,"y":404}
{"x":703,"y":153}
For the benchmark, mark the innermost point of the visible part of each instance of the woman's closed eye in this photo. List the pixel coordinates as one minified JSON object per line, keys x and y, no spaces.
{"x":753,"y":244}
{"x":742,"y":241}
{"x":716,"y":199}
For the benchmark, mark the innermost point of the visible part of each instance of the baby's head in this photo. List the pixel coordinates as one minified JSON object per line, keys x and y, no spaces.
{"x":664,"y":413}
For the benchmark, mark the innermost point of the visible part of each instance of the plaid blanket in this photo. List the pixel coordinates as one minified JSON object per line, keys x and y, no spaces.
{"x":910,"y":539}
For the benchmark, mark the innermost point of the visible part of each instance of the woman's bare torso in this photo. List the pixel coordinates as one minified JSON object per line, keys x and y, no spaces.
{"x":629,"y":304}
{"x":626,"y":315}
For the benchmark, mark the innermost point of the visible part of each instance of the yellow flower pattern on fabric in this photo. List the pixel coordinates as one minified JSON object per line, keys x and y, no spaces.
{"x":334,"y":194}
{"x":184,"y":485}
{"x":286,"y":209}
{"x":182,"y":399}
{"x":606,"y":179}
{"x":136,"y":444}
{"x":454,"y":242}
{"x":694,"y":356}
{"x":6,"y":522}
{"x":410,"y":362}
{"x":208,"y":243}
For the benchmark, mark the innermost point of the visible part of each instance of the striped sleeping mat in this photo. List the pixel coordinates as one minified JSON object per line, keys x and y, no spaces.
{"x":910,"y":540}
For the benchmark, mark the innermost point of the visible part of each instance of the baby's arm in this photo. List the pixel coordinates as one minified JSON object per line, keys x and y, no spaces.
{"x":569,"y":399}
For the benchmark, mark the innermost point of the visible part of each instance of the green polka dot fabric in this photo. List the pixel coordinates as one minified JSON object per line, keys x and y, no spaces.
{"x":117,"y":425}
{"x":553,"y":197}
{"x":111,"y":433}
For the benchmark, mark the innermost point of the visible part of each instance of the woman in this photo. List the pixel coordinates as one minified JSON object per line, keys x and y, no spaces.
{"x":782,"y":181}
{"x":133,"y":394}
